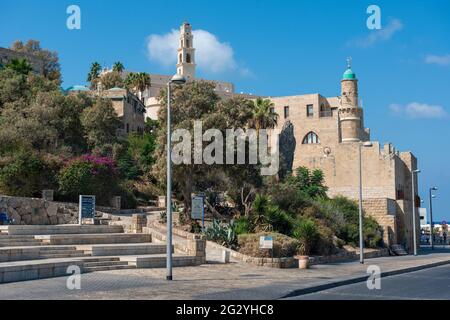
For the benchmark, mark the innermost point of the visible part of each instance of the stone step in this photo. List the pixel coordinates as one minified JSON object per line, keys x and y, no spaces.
{"x":159,"y":260}
{"x":63,"y":255}
{"x":15,"y":236}
{"x":70,"y":239}
{"x":123,"y":249}
{"x":107,"y":268}
{"x":62,"y":229}
{"x":399,"y":250}
{"x":6,"y":241}
{"x":105,"y":263}
{"x":59,"y":251}
{"x":21,"y":244}
{"x":57,"y":248}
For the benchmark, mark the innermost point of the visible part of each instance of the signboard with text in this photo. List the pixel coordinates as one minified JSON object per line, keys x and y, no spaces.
{"x":87,"y":207}
{"x":266,"y":242}
{"x":197,"y":208}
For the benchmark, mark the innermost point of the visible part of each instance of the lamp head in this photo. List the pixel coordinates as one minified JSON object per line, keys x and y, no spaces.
{"x":416,"y":171}
{"x":434,"y":188}
{"x":178,"y":79}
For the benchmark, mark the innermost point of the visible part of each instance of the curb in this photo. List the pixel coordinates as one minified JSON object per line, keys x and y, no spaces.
{"x":331,"y":285}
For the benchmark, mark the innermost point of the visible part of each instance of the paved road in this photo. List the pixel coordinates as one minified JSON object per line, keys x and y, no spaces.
{"x":431,"y":283}
{"x":218,"y":281}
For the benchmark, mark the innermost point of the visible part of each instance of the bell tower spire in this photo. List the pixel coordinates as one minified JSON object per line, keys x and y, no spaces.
{"x":186,"y":52}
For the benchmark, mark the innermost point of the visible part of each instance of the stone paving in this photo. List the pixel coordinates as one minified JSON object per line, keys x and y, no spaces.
{"x":210,"y":281}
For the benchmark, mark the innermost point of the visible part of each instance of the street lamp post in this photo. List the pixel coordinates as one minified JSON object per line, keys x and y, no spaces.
{"x":431,"y":218}
{"x":361,"y":236}
{"x":176,"y":79}
{"x":413,"y":173}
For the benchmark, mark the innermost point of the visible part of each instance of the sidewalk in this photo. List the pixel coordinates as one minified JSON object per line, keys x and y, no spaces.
{"x":216,"y":281}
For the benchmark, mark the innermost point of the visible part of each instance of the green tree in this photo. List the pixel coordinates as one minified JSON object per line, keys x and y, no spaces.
{"x":130,"y":81}
{"x":111,"y":79}
{"x":100,"y":123}
{"x":94,"y":72}
{"x":25,"y":174}
{"x":197,"y":100}
{"x":51,"y":67}
{"x":118,"y":67}
{"x":21,"y":66}
{"x":309,"y":183}
{"x":262,"y":115}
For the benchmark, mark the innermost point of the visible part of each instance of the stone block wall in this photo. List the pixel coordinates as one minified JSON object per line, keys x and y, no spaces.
{"x":31,"y":211}
{"x":383,"y":210}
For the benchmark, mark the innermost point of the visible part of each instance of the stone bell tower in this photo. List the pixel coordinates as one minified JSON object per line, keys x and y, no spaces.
{"x":350,"y":113}
{"x":186,"y":52}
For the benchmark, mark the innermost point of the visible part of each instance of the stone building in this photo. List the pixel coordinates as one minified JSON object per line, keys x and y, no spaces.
{"x":328,"y":133}
{"x":6,"y":55}
{"x":129,"y":108}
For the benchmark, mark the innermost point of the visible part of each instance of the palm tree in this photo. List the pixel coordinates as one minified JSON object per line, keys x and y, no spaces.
{"x":20,"y":66}
{"x":263,"y":115}
{"x":118,"y":67}
{"x":142,"y":81}
{"x":130,"y":81}
{"x":94,"y":72}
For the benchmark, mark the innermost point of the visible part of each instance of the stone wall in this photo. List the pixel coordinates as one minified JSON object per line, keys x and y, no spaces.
{"x":32,"y":211}
{"x":383,"y":210}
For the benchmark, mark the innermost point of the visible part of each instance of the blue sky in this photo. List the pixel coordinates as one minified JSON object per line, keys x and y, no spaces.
{"x":278,"y":48}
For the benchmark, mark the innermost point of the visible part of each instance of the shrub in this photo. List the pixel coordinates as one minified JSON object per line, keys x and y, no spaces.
{"x":243,"y":225}
{"x":89,"y":175}
{"x":283,"y":246}
{"x":128,"y":200}
{"x":307,"y":234}
{"x":279,"y":220}
{"x":26,"y":174}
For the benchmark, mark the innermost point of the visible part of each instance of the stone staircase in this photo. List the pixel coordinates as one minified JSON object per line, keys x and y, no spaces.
{"x":398,"y":250}
{"x":34,"y":252}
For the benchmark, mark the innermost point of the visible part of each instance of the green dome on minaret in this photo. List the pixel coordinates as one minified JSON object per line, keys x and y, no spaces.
{"x":349,"y":74}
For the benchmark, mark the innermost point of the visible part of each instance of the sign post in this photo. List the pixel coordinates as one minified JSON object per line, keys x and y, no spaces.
{"x":266,"y":242}
{"x":198,"y":209}
{"x":86,"y":208}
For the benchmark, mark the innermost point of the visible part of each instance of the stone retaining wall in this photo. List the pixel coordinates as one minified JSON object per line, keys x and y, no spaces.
{"x":33,"y":211}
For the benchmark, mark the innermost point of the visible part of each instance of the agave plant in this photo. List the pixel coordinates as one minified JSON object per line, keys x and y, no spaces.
{"x":224,"y":235}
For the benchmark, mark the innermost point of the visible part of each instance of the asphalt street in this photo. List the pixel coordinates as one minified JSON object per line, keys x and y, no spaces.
{"x":433,"y":283}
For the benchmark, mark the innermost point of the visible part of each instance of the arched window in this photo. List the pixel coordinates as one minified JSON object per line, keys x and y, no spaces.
{"x":187,"y":43}
{"x":311,"y":138}
{"x":188,"y":58}
{"x":181,"y":58}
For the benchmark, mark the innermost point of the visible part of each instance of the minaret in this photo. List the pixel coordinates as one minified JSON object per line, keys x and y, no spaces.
{"x":186,"y":52}
{"x":350,"y":114}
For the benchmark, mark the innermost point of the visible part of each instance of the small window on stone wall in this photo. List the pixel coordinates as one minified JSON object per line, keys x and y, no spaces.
{"x":311,"y":138}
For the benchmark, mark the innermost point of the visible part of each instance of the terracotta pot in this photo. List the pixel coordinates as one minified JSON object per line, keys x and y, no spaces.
{"x":303,"y":262}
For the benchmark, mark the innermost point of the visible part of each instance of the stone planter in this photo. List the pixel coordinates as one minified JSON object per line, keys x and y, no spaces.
{"x":303,"y":262}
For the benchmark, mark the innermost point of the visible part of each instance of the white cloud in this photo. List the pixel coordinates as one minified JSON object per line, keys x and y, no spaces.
{"x":439,"y":60}
{"x":417,"y":110}
{"x":211,"y":55}
{"x":375,"y":36}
